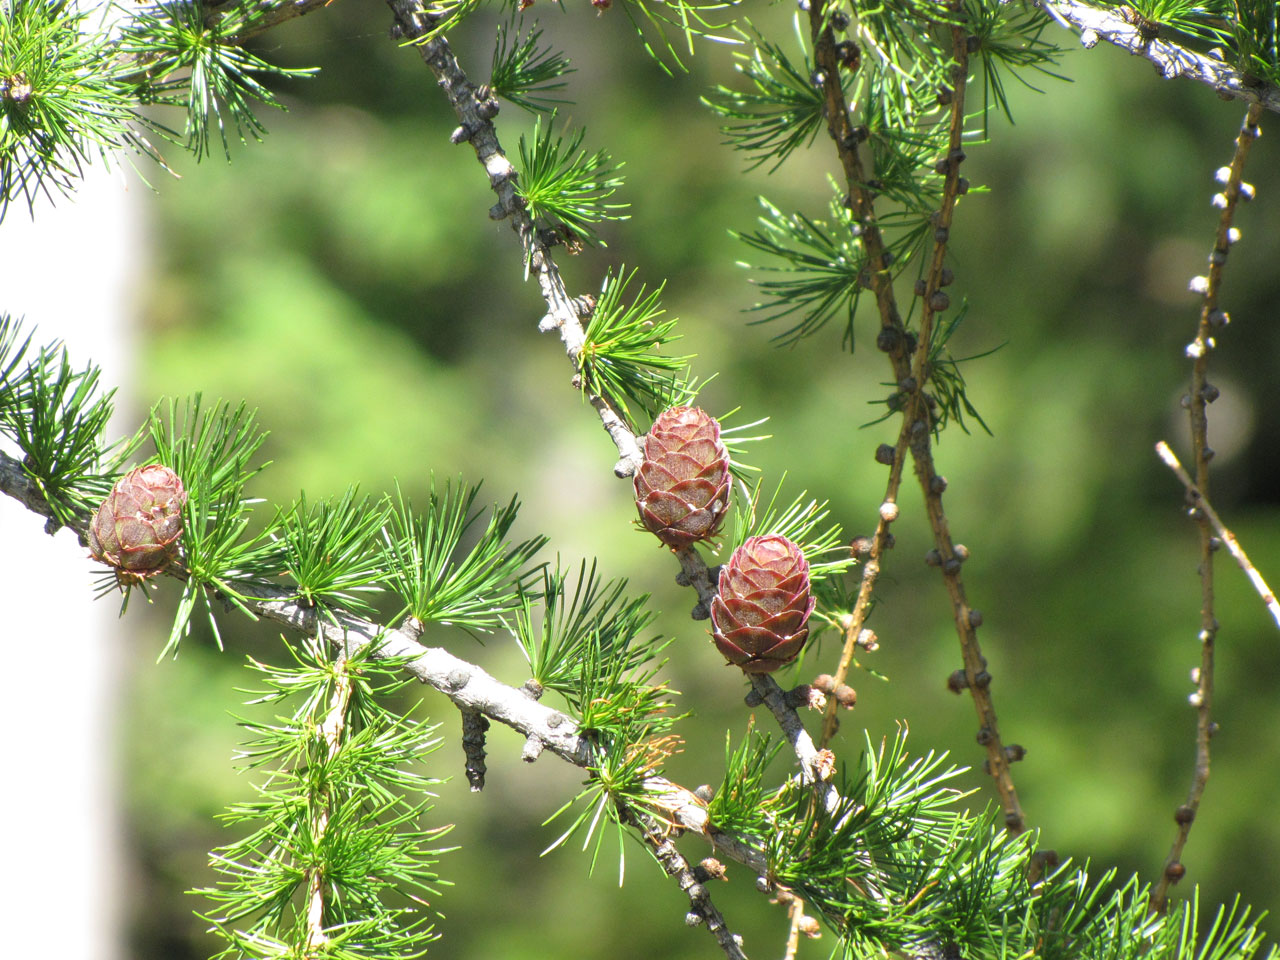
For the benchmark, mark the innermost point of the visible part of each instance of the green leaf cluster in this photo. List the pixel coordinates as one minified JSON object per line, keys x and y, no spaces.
{"x":596,"y":622}
{"x":656,"y":20}
{"x":819,"y":269}
{"x":331,"y":549}
{"x":64,"y":99}
{"x":73,"y":89}
{"x":744,"y":800}
{"x":441,"y":581}
{"x":58,"y":415}
{"x":621,"y":358}
{"x":590,"y":646}
{"x":191,"y":59}
{"x":563,"y":187}
{"x":780,"y":110}
{"x":525,"y":72}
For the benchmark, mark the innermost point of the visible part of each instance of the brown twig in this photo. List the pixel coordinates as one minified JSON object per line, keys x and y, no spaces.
{"x":912,"y":372}
{"x":950,"y":555}
{"x":880,"y":542}
{"x":795,"y":914}
{"x":1212,"y":531}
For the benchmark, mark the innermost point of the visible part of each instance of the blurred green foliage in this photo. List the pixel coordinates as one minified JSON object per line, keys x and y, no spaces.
{"x":343,"y":278}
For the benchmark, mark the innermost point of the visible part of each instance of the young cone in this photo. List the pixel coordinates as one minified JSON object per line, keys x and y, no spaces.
{"x":682,"y":488}
{"x":761,"y":613}
{"x":137,"y":527}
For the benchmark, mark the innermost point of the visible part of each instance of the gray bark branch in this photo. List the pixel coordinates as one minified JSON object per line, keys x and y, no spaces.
{"x":1172,"y":60}
{"x":469,"y":687}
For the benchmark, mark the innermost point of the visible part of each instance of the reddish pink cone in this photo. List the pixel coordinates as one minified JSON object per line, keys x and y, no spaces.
{"x":761,"y":613}
{"x":682,"y":487}
{"x":137,"y":527}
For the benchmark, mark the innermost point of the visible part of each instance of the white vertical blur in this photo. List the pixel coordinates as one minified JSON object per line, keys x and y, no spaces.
{"x":71,"y":272}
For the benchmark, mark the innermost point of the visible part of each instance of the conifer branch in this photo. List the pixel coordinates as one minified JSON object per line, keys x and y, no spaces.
{"x":1171,"y":60}
{"x":1202,"y":394}
{"x":919,"y":414}
{"x":475,"y":111}
{"x":910,"y":358}
{"x":475,"y":108}
{"x":467,"y":685}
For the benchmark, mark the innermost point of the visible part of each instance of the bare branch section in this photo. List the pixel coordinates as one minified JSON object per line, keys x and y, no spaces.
{"x":1202,"y":394}
{"x":1098,"y":23}
{"x":475,"y":108}
{"x":881,"y":541}
{"x":911,"y":373}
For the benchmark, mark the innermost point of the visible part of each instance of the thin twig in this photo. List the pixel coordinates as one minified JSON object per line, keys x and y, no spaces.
{"x":795,"y":917}
{"x":1106,"y":23}
{"x":1226,"y":536}
{"x":1212,"y":531}
{"x":701,"y":909}
{"x":475,"y":108}
{"x":331,"y":729}
{"x":911,"y":371}
{"x":919,"y":413}
{"x":1202,"y":698}
{"x":880,"y":542}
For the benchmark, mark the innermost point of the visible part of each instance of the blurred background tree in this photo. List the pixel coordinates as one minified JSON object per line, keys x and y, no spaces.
{"x":342,"y":276}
